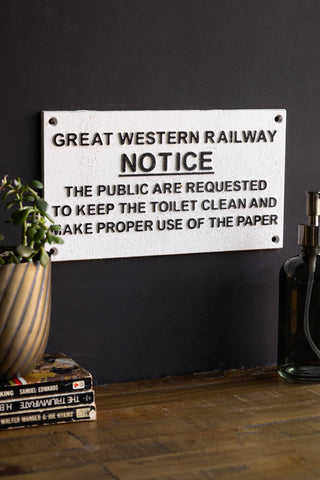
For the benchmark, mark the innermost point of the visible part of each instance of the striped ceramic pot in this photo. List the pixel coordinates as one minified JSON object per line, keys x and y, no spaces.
{"x":25,"y":309}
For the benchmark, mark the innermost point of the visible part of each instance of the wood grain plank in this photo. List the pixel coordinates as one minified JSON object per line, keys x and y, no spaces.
{"x":254,"y":460}
{"x":37,"y":443}
{"x":92,"y":471}
{"x":241,"y":426}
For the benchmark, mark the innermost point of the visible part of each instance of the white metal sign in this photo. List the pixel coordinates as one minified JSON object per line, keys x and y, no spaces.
{"x":136,"y":183}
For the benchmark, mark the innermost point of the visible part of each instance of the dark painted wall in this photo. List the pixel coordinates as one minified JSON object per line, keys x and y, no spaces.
{"x":144,"y":317}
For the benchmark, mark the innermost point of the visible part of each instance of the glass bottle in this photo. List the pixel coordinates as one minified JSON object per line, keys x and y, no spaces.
{"x":299,"y":303}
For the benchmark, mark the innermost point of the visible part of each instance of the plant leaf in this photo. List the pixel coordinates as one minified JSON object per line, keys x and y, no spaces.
{"x":36,"y":184}
{"x":41,"y":204}
{"x":39,"y":234}
{"x":54,"y":239}
{"x":31,"y":232}
{"x":19,"y":216}
{"x":29,"y":198}
{"x":55,"y":228}
{"x":44,"y":257}
{"x":24,"y":251}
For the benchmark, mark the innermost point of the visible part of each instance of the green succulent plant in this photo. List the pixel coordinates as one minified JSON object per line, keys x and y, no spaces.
{"x":29,"y":213}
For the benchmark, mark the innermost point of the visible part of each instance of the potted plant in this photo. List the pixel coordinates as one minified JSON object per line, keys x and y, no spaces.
{"x":25,"y":278}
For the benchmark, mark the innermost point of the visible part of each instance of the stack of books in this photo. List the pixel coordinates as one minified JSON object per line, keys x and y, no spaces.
{"x":58,"y":390}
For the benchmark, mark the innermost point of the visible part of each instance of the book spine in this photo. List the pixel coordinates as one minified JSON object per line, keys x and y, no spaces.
{"x":45,"y":417}
{"x":46,"y":402}
{"x":63,"y":386}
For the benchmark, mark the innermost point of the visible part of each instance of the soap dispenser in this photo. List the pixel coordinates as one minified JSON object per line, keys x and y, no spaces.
{"x":299,"y":303}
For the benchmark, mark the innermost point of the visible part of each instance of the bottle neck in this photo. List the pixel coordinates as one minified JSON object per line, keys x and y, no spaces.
{"x":310,"y":251}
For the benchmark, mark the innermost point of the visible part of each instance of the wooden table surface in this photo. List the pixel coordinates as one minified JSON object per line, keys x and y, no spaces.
{"x":239,"y":425}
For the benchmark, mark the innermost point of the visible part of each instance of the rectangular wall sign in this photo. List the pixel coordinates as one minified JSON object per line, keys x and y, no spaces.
{"x":136,"y":183}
